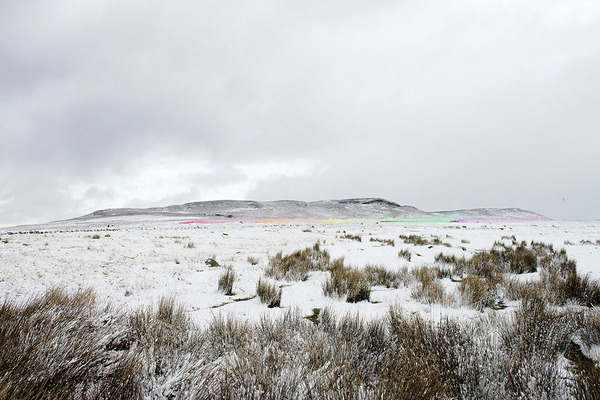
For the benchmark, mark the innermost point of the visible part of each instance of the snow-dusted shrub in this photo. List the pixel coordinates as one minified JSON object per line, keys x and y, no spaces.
{"x":67,"y":346}
{"x":297,"y":265}
{"x":533,"y":343}
{"x":226,"y":280}
{"x":514,"y":258}
{"x":457,"y":262}
{"x":441,"y":350}
{"x":348,"y":282}
{"x":269,"y":293}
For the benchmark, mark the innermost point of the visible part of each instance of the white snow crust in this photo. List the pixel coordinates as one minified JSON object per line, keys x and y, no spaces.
{"x":138,"y":259}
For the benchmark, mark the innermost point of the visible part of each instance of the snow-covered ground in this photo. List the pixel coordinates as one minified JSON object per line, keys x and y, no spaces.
{"x":135,"y":262}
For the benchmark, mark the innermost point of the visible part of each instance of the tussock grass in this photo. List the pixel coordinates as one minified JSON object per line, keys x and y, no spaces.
{"x":58,"y":346}
{"x":513,"y":258}
{"x":485,"y":277}
{"x":348,"y":282}
{"x":226,"y":280}
{"x":387,"y":242}
{"x":352,"y":237}
{"x":379,"y":275}
{"x":406,"y":254}
{"x":66,"y":346}
{"x":429,"y":288}
{"x":414,"y":240}
{"x":297,"y":265}
{"x":268,"y":293}
{"x":480,"y":293}
{"x":556,"y":289}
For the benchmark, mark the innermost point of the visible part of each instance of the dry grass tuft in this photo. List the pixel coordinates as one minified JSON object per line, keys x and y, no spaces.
{"x":348,"y":282}
{"x":297,"y":265}
{"x":226,"y":281}
{"x":269,"y":293}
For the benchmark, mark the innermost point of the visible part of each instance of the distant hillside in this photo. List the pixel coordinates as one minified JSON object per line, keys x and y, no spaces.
{"x":347,"y":209}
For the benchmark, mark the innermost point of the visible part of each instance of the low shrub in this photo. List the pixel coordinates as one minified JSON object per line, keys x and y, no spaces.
{"x":65,"y":346}
{"x":479,"y":293}
{"x":515,"y":259}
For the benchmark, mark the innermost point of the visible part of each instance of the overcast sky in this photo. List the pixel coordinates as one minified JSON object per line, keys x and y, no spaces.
{"x":437,"y":104}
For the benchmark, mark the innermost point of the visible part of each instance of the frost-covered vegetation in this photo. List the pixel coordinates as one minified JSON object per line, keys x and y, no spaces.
{"x":70,"y":346}
{"x":423,"y":320}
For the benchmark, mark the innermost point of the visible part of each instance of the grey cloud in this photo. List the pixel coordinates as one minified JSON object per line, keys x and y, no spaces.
{"x":434,"y":95}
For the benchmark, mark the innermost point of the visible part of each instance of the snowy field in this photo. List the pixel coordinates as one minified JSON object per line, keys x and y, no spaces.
{"x":138,"y":262}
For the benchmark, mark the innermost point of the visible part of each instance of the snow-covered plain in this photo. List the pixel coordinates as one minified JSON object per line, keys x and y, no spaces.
{"x":131,"y":262}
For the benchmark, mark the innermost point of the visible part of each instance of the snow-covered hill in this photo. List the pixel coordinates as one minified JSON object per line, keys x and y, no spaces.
{"x":362,"y":209}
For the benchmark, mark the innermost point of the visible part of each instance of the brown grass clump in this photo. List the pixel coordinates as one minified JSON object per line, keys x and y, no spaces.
{"x":406,"y":254}
{"x":388,"y":242}
{"x":480,"y":293}
{"x":352,"y":237}
{"x":378,"y":275}
{"x":415,"y":240}
{"x":348,"y":282}
{"x":297,"y":265}
{"x":57,"y":346}
{"x":429,"y":288}
{"x":226,"y":281}
{"x":268,"y":293}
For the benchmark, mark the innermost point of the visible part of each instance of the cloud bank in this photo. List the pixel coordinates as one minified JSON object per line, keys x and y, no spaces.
{"x":441,"y":105}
